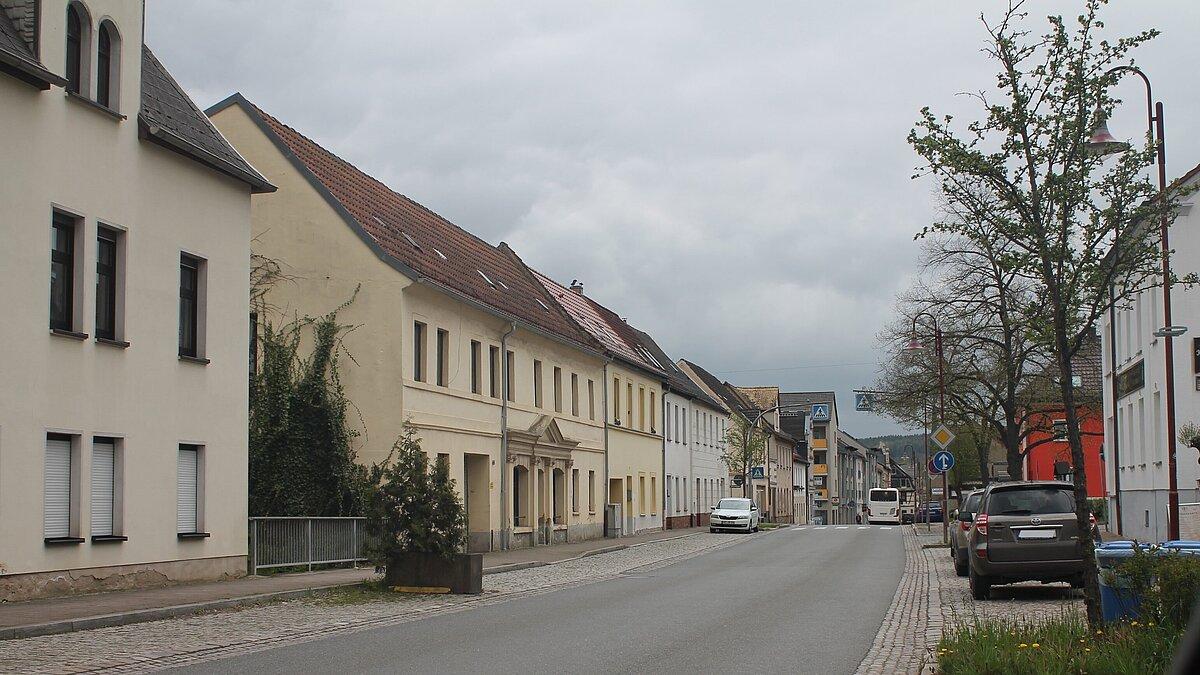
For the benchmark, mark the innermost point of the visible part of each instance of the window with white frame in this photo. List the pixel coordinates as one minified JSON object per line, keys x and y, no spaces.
{"x":189,"y":494}
{"x":104,"y":522}
{"x":58,"y":508}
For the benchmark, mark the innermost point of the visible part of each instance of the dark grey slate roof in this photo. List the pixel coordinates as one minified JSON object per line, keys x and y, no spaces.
{"x":16,"y":59}
{"x":809,"y":397}
{"x":679,"y":382}
{"x":169,"y":117}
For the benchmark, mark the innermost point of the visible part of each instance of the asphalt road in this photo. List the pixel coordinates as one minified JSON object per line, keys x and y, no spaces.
{"x":792,"y":601}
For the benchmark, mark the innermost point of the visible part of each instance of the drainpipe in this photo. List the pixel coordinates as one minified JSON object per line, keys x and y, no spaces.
{"x":1115,"y":445}
{"x":505,"y":518}
{"x":662,"y":423}
{"x":604,"y":421}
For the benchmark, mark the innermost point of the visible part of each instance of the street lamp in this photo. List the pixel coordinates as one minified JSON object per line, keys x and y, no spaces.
{"x":914,"y":344}
{"x":1103,"y":143}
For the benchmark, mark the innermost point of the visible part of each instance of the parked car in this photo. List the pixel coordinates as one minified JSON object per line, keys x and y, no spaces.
{"x":734,"y":513}
{"x":935,"y":512}
{"x":1025,"y":531}
{"x":964,"y":521}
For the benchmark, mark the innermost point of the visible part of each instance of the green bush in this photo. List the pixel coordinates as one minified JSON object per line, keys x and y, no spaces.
{"x":411,"y":509}
{"x":1063,"y":645}
{"x":1168,"y":584}
{"x":1099,"y":508}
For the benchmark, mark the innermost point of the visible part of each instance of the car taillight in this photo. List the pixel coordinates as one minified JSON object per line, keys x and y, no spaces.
{"x":981,"y":522}
{"x":966,"y":527}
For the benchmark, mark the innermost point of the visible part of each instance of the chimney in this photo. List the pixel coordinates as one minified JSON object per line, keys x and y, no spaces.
{"x":576,"y":287}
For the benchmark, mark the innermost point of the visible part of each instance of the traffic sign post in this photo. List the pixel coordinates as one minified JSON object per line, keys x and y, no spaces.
{"x":942,"y":462}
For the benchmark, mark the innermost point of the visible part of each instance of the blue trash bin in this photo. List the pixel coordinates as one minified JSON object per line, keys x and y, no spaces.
{"x":1116,"y":600}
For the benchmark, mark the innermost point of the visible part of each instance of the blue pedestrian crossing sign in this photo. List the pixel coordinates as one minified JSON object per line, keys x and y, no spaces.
{"x":943,"y":461}
{"x":820,"y":412}
{"x":864,"y":402}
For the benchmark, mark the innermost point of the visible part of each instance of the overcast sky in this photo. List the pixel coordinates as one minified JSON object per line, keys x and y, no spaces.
{"x":732,"y":178}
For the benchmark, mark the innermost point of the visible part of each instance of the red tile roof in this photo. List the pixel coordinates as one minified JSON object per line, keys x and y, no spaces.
{"x":424,"y":244}
{"x":618,"y":337}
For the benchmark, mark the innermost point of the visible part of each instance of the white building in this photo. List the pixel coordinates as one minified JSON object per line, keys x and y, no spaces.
{"x":1136,"y":455}
{"x":124,"y":274}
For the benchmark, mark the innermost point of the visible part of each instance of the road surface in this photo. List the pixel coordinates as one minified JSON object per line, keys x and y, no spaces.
{"x":793,"y":601}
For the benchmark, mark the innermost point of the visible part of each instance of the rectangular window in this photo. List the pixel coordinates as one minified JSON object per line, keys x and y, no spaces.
{"x":62,"y":272}
{"x":443,"y":357}
{"x":574,"y":490}
{"x":189,"y":306}
{"x":575,"y":394}
{"x":616,"y":400}
{"x":678,"y":498}
{"x":653,"y":495}
{"x":642,"y":408}
{"x":476,"y":357}
{"x":667,"y":422}
{"x":106,"y":284}
{"x":591,"y":491}
{"x":684,"y":418}
{"x":537,"y":383}
{"x":558,"y":393}
{"x":1059,"y":430}
{"x":653,"y":414}
{"x":494,"y":370}
{"x":418,"y":351}
{"x":629,"y":404}
{"x":510,"y":363}
{"x":104,"y":484}
{"x":188,"y":484}
{"x":57,"y":509}
{"x":642,"y":495}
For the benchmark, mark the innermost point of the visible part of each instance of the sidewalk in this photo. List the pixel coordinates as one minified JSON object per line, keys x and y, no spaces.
{"x":83,"y":612}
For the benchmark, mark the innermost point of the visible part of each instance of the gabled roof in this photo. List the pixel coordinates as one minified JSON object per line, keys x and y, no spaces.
{"x":170,"y":118}
{"x":678,"y":381}
{"x":619,"y":339}
{"x":802,"y":398}
{"x":733,"y":400}
{"x":17,"y":59}
{"x":763,"y":398}
{"x":417,"y":242}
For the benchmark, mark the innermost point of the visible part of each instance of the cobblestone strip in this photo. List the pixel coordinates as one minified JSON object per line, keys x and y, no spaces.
{"x":901,"y":645}
{"x":181,"y":641}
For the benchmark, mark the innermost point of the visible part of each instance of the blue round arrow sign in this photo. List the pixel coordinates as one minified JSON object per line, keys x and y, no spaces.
{"x":943,"y":460}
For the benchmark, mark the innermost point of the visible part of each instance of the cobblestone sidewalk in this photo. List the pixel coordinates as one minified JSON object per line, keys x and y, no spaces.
{"x":930,"y":598}
{"x":175,"y":642}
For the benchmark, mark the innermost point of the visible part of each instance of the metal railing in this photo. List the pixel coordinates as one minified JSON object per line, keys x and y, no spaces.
{"x":301,"y":541}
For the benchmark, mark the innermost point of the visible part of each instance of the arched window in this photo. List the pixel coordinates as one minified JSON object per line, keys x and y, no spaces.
{"x":74,"y":49}
{"x":105,"y":63}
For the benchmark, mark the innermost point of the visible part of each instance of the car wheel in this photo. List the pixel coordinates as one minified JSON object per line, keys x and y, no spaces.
{"x":961,"y":566}
{"x":981,"y":586}
{"x":1077,"y":581}
{"x":712,"y":530}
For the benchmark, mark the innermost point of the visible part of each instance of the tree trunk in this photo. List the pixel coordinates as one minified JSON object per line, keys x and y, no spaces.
{"x":1091,"y":582}
{"x":1012,"y":449}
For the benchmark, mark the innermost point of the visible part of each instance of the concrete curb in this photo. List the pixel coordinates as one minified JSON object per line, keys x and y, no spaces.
{"x":158,"y":613}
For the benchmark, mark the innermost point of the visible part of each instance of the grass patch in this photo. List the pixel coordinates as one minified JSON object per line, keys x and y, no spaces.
{"x":357,"y":594}
{"x":1063,"y":645}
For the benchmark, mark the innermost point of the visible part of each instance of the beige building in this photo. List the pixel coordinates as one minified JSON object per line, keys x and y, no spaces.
{"x":452,"y":334}
{"x":123,"y":395}
{"x":633,"y":431}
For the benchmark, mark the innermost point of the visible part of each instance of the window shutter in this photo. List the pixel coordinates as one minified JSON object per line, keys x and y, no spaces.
{"x":185,"y":519}
{"x":56,"y":493}
{"x":103,"y":468}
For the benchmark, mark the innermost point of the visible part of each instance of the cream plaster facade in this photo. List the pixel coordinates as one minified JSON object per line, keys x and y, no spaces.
{"x":635,"y":447}
{"x":550,"y":488}
{"x":62,"y":153}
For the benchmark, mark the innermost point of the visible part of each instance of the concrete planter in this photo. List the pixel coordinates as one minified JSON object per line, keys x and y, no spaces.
{"x":461,"y":573}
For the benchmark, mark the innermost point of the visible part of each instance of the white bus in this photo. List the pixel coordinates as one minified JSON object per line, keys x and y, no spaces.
{"x":883,"y":506}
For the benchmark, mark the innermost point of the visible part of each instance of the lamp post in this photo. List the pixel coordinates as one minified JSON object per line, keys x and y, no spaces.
{"x":914,"y":344}
{"x":1103,"y":143}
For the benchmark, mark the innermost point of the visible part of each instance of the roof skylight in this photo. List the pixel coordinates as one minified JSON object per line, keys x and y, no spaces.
{"x":411,"y":241}
{"x":485,"y":278}
{"x":440,"y":254}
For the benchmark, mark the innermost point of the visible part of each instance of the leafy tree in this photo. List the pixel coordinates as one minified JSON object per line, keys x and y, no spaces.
{"x":301,"y":447}
{"x":1023,"y":171}
{"x":744,"y":447}
{"x":411,"y":508}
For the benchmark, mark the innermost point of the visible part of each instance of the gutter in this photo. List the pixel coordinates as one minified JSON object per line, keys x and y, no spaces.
{"x":604,"y":418}
{"x":171,"y":140}
{"x":662,"y":422}
{"x":505,"y":519}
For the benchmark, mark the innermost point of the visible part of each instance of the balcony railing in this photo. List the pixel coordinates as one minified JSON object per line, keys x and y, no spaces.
{"x":820,"y":469}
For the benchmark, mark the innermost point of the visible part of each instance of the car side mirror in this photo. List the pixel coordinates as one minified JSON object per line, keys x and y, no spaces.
{"x":965,"y":517}
{"x":753,"y":507}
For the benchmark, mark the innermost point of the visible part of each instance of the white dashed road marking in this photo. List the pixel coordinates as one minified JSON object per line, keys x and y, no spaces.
{"x":843,"y":527}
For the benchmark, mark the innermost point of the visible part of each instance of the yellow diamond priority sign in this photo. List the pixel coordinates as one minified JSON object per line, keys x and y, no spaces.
{"x":943,"y":437}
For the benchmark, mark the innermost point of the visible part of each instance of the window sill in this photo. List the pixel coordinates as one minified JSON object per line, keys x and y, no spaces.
{"x":193,"y":535}
{"x":89,"y":103}
{"x":194,"y":359}
{"x":58,"y":541}
{"x":115,"y":343}
{"x":109,"y":538}
{"x":74,"y":335}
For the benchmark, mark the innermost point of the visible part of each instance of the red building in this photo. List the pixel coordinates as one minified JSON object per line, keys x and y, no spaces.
{"x":1046,"y":450}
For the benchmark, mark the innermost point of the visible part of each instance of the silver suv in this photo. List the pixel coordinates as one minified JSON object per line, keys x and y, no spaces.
{"x":960,"y":531}
{"x":1025,"y":531}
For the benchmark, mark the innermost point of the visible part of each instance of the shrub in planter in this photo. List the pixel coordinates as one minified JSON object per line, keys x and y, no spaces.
{"x":1099,"y":507}
{"x":416,"y":525}
{"x":1163,"y":585}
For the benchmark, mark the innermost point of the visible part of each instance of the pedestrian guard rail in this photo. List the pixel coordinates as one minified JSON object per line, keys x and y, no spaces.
{"x":304,"y":542}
